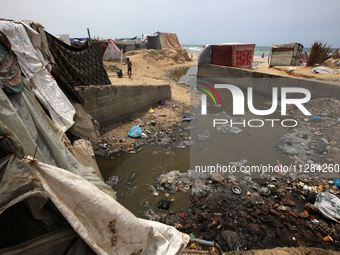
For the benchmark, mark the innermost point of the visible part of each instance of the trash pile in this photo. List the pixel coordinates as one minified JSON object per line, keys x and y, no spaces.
{"x":165,"y":124}
{"x":240,"y":214}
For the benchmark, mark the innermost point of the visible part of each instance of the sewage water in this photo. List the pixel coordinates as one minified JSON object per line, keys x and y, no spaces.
{"x":138,"y":171}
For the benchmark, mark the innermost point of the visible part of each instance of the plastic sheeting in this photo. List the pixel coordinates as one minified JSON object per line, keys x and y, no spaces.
{"x":79,"y":195}
{"x":105,"y":225}
{"x":25,"y":43}
{"x":322,"y":69}
{"x":162,"y":41}
{"x":112,"y":52}
{"x":172,"y":40}
{"x":204,"y":56}
{"x":329,"y":205}
{"x":22,"y":114}
{"x":10,"y":74}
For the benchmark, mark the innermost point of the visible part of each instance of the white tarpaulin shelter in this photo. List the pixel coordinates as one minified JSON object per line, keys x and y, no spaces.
{"x":112,"y":52}
{"x":25,"y":44}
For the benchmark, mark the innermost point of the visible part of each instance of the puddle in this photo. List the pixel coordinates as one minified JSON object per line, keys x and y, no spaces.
{"x":183,"y":75}
{"x":138,"y":171}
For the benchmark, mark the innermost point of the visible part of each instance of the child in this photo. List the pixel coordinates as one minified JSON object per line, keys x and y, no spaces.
{"x":129,"y":64}
{"x":120,"y":74}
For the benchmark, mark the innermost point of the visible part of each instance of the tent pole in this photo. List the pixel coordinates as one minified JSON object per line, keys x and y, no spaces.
{"x":121,"y":59}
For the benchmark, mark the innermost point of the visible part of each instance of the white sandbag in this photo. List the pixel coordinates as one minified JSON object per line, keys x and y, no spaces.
{"x":329,"y":205}
{"x":105,"y":225}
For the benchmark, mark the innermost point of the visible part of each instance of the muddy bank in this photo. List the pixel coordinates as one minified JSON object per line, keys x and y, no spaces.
{"x":243,"y":214}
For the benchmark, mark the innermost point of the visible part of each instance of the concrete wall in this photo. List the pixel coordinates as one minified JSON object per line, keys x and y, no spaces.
{"x":263,"y":83}
{"x":109,"y":104}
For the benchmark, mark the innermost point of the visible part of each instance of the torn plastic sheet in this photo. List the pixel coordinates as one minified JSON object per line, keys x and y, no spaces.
{"x":24,"y":121}
{"x":105,"y":225}
{"x":33,"y":65}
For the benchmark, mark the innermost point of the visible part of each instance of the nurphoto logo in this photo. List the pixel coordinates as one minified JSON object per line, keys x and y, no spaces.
{"x":239,"y":99}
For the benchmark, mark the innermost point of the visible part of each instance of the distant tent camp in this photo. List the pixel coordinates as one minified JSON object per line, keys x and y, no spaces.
{"x":230,"y":54}
{"x":287,"y":54}
{"x":112,"y":52}
{"x":162,"y":40}
{"x":128,"y":44}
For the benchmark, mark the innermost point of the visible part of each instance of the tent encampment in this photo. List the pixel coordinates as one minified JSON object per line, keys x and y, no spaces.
{"x":162,"y":40}
{"x":112,"y":52}
{"x":286,"y":54}
{"x":128,"y":44}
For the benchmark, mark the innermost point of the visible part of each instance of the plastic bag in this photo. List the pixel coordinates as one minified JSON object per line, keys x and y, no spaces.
{"x":329,"y":205}
{"x":337,"y":183}
{"x":135,"y":132}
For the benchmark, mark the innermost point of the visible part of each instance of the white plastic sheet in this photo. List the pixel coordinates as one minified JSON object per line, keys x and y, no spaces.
{"x":23,"y":115}
{"x":105,"y":225}
{"x":321,"y":69}
{"x":329,"y":205}
{"x":33,"y":65}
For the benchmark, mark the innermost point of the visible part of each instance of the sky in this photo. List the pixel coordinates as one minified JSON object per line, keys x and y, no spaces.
{"x":263,"y":22}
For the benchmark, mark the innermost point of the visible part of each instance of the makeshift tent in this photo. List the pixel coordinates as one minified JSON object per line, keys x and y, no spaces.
{"x":64,"y":38}
{"x":163,"y":40}
{"x":33,"y":66}
{"x":126,"y":45}
{"x":79,"y":66}
{"x":232,"y":54}
{"x":287,"y":54}
{"x":50,"y":203}
{"x":49,"y":200}
{"x":112,"y":52}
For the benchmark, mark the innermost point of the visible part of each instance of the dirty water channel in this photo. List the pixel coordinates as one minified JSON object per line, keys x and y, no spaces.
{"x":136,"y":172}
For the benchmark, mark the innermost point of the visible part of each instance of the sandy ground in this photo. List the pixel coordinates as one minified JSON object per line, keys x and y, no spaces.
{"x":299,"y":72}
{"x":150,"y":67}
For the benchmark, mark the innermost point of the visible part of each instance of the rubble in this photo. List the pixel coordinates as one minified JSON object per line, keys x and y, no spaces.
{"x":246,"y":220}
